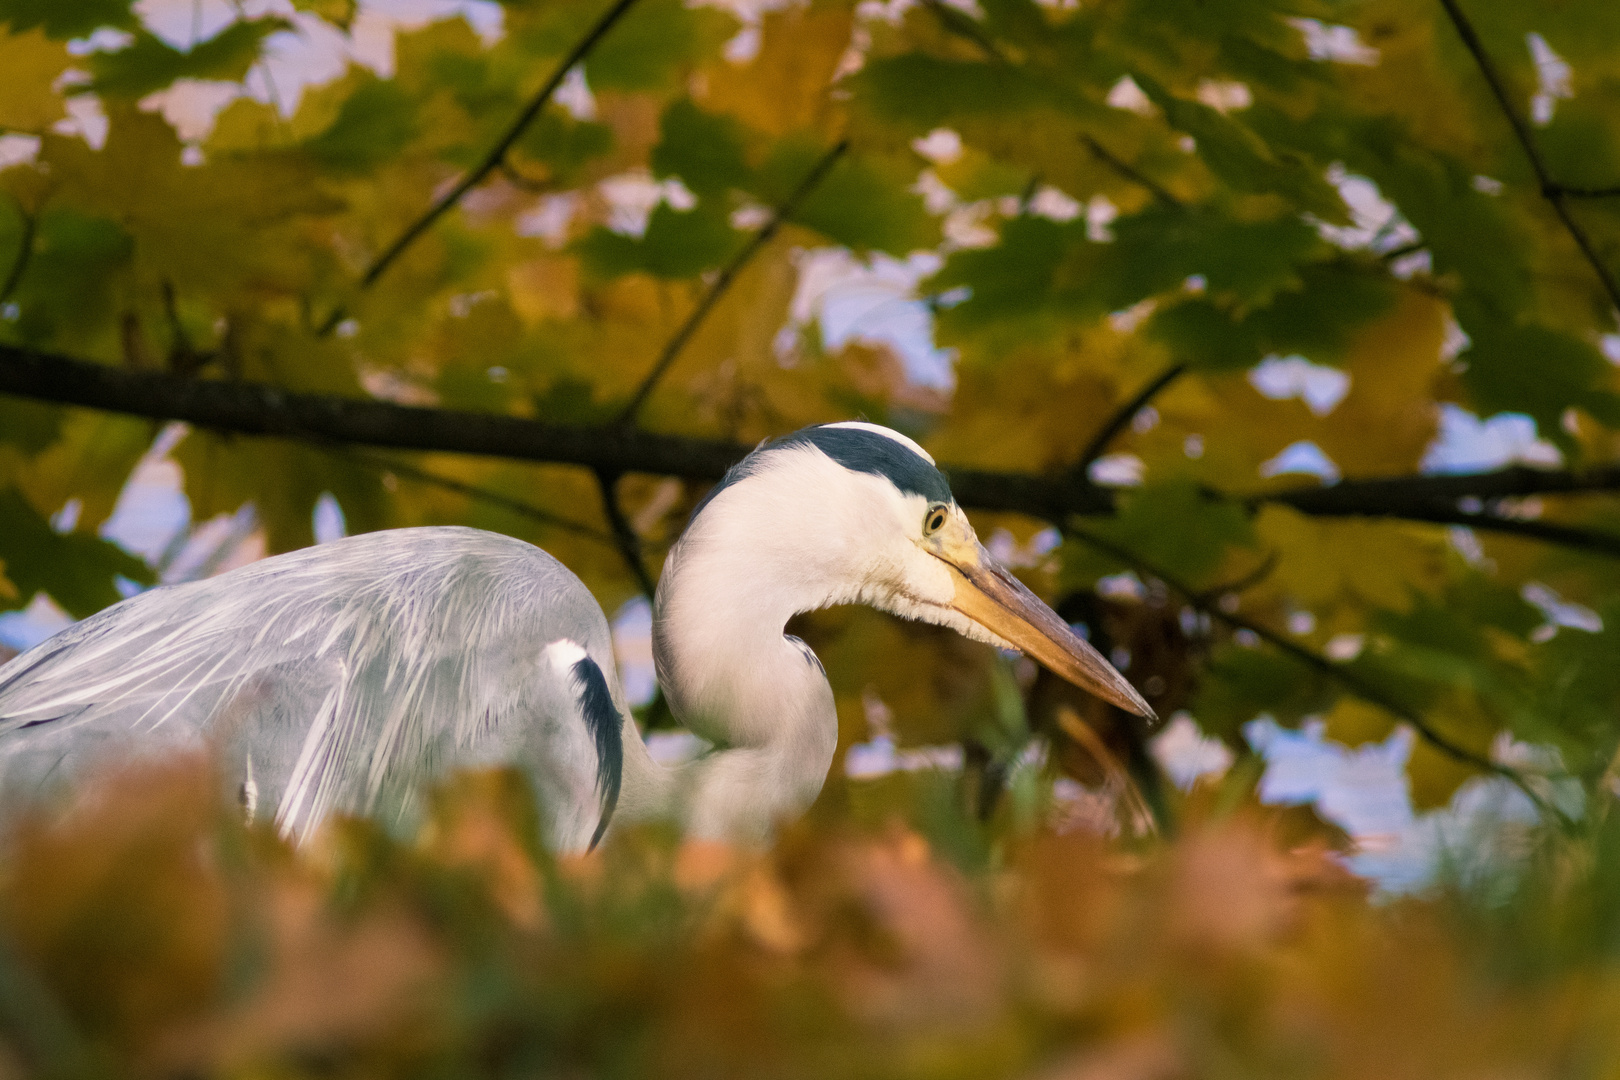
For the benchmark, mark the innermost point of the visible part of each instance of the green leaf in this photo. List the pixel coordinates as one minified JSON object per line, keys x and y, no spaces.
{"x":1317,"y":320}
{"x":1244,"y":682}
{"x":565,"y":144}
{"x":1245,"y":161}
{"x":76,"y":569}
{"x":1162,"y":246}
{"x":649,"y":48}
{"x":150,"y":63}
{"x":864,"y":202}
{"x":339,"y":13}
{"x":705,"y":150}
{"x":1176,"y":527}
{"x":928,"y":91}
{"x":1530,"y":369}
{"x":376,"y":122}
{"x":677,"y":244}
{"x":69,"y":281}
{"x":30,"y":426}
{"x":63,"y":19}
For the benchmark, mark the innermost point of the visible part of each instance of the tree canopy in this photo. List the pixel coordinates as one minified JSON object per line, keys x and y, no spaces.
{"x":1179,"y":257}
{"x":1275,"y":341}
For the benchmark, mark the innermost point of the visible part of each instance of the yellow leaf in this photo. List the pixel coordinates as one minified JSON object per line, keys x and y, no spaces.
{"x":1324,"y":562}
{"x":784,"y":88}
{"x":1387,"y":419}
{"x":544,"y":288}
{"x":31,"y":63}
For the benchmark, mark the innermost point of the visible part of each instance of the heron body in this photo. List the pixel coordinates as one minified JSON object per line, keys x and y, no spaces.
{"x":344,"y":678}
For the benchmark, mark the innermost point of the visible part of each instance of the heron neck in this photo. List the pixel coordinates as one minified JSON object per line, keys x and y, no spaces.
{"x":732,"y":677}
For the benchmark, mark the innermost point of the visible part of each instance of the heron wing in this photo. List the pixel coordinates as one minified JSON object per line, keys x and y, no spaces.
{"x":337,"y":678}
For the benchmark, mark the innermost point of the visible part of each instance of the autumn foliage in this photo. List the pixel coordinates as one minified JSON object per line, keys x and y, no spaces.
{"x":150,"y":934}
{"x":1212,"y":309}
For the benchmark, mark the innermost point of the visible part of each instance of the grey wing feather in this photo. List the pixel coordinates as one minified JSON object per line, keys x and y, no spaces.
{"x":342,"y":677}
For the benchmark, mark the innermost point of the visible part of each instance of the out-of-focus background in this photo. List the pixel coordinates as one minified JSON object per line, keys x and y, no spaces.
{"x":1273,"y":344}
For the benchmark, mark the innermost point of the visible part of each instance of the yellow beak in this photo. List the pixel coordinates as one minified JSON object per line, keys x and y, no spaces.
{"x":999,"y":602}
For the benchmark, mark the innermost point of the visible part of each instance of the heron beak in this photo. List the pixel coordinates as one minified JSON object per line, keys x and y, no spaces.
{"x":999,"y":602}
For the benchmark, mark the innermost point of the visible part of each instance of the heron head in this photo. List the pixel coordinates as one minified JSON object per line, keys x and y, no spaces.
{"x":858,"y":513}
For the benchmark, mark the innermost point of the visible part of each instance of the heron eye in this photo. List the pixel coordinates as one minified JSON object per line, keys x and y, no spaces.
{"x":935,"y":520}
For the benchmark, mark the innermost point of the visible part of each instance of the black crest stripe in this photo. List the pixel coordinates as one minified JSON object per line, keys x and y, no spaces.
{"x":856,"y":449}
{"x":602,"y":720}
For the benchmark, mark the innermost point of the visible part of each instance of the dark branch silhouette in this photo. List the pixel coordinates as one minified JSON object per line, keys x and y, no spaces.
{"x":1124,"y":415}
{"x":1442,"y":513}
{"x":1551,"y":190}
{"x":1346,"y":677}
{"x":491,"y":161}
{"x":624,"y":534}
{"x":246,"y":408}
{"x":19,"y":265}
{"x":1130,"y":172}
{"x":672,"y":350}
{"x":473,"y":491}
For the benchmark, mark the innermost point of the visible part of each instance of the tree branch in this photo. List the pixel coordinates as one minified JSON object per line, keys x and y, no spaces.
{"x":1439,"y":512}
{"x":1123,"y":416}
{"x":246,"y":408}
{"x":727,"y":275}
{"x":491,"y":161}
{"x":19,"y":265}
{"x":1130,"y":172}
{"x":624,"y":534}
{"x":963,"y":25}
{"x":1551,"y":190}
{"x":1351,"y":680}
{"x":1397,"y":495}
{"x":472,"y":491}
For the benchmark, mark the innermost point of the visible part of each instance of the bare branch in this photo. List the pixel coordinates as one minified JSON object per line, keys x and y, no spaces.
{"x":624,"y":534}
{"x":1440,"y":512}
{"x":1396,"y":495}
{"x":1130,"y":172}
{"x":728,"y":274}
{"x":963,"y":25}
{"x":1349,"y":679}
{"x":255,"y":409}
{"x":1124,"y":415}
{"x":1586,"y":192}
{"x":491,"y":161}
{"x":1551,"y":190}
{"x":247,"y":408}
{"x":19,"y":265}
{"x":472,"y":491}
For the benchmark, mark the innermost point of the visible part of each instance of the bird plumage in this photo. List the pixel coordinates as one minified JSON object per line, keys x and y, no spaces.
{"x":344,"y":673}
{"x":344,"y":678}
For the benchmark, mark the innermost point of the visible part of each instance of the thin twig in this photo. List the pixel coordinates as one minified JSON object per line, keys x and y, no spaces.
{"x":19,"y":265}
{"x":1130,"y":172}
{"x":1345,"y":677}
{"x":1551,"y":190}
{"x":518,"y":180}
{"x":624,"y":534}
{"x":1124,"y":415}
{"x":1587,"y":193}
{"x":491,"y":161}
{"x":1440,"y":513}
{"x":963,"y":25}
{"x":727,"y":275}
{"x":1241,"y":585}
{"x":483,"y":495}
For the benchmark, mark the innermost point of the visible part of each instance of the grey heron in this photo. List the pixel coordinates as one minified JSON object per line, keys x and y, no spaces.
{"x":343,"y":678}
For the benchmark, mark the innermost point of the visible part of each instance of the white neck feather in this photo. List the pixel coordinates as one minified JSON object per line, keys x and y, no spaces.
{"x":732,"y":676}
